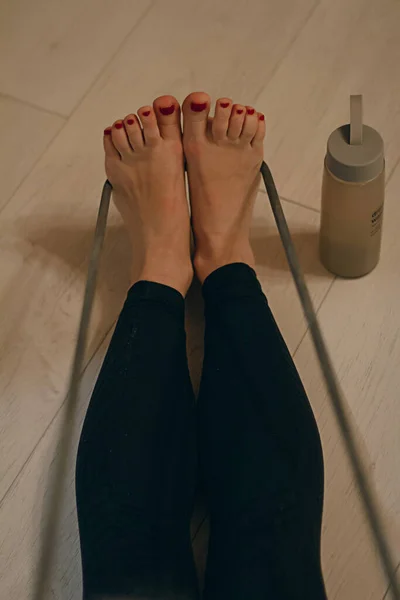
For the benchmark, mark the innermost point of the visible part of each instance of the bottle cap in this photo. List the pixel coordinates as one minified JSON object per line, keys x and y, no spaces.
{"x":355,"y":151}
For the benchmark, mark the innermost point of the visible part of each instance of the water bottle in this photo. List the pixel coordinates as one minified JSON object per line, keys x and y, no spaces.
{"x":353,"y":191}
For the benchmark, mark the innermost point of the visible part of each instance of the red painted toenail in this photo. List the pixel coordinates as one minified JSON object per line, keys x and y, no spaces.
{"x":198,"y":107}
{"x":146,"y":113}
{"x":119,"y":125}
{"x":250,"y":111}
{"x":262,"y":118}
{"x":239,"y":111}
{"x":224,"y":104}
{"x":130,"y":121}
{"x":167,"y":110}
{"x":107,"y":132}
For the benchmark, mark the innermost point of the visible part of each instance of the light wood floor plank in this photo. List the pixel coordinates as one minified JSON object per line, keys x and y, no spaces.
{"x":24,"y":505}
{"x":25,"y":134}
{"x":345,"y":48}
{"x":52,"y":51}
{"x":361,"y":322}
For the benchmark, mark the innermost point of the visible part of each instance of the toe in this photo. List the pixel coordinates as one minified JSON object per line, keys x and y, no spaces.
{"x":259,"y":136}
{"x":250,"y":124}
{"x":223,"y":109}
{"x":109,"y":148}
{"x":168,"y":115}
{"x":236,"y":121}
{"x":151,"y":133}
{"x":120,"y":139}
{"x":134,"y":132}
{"x":195,"y":115}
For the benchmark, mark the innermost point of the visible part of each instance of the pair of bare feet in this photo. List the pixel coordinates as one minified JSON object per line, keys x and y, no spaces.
{"x":145,"y":165}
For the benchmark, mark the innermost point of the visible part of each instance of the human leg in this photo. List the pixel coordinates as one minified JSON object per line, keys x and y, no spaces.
{"x":136,"y":461}
{"x":259,"y":445}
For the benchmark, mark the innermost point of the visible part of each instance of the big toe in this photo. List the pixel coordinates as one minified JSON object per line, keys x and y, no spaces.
{"x":168,"y":115}
{"x":195,"y":115}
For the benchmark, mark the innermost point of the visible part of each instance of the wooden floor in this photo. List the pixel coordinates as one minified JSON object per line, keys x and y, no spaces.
{"x":67,"y":69}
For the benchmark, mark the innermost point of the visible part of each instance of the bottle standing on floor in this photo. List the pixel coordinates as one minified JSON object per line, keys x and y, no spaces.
{"x":353,"y":191}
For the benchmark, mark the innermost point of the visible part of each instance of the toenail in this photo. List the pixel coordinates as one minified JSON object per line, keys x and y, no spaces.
{"x":130,"y":121}
{"x":239,"y":111}
{"x":196,"y":107}
{"x":146,"y":113}
{"x":224,"y":104}
{"x":107,"y":131}
{"x":119,"y":125}
{"x":167,"y":110}
{"x":250,"y":111}
{"x":262,"y":118}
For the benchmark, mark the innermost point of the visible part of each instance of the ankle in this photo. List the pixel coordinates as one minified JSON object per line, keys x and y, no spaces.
{"x":169,"y":269}
{"x":178,"y":281}
{"x":206,"y":262}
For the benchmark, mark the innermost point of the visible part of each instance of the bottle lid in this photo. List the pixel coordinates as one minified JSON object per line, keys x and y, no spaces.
{"x":355,"y":151}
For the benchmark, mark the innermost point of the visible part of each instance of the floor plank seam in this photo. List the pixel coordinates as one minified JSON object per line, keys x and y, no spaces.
{"x":25,"y":177}
{"x":109,"y":61}
{"x":386,"y":597}
{"x":196,"y":533}
{"x":42,"y":109}
{"x":392,"y":172}
{"x":78,"y":104}
{"x":312,"y":208}
{"x":12,"y":484}
{"x":287,"y":50}
{"x":318,"y":308}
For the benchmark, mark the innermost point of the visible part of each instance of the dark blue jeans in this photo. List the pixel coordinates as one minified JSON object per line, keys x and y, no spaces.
{"x":251,"y":438}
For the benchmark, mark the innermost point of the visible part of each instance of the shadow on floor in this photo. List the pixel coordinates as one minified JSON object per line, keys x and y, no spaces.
{"x":268,"y":250}
{"x":68,"y":245}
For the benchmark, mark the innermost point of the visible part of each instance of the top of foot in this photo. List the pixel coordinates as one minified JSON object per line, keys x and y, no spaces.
{"x":224,"y":155}
{"x":144,"y":163}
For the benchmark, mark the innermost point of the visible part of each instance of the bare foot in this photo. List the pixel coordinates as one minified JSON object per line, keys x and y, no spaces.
{"x":224,"y":155}
{"x":145,"y":167}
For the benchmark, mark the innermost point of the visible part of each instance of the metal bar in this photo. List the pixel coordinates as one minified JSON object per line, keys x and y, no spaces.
{"x":53,"y":502}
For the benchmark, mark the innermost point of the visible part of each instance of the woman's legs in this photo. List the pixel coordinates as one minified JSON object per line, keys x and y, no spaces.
{"x":135,"y":476}
{"x":259,"y":445}
{"x":260,"y":452}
